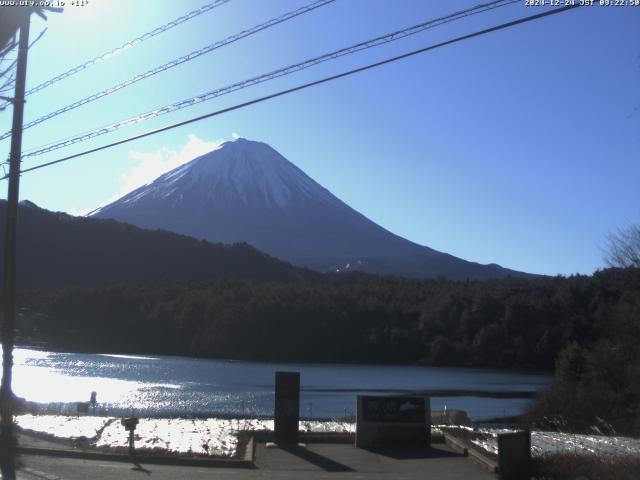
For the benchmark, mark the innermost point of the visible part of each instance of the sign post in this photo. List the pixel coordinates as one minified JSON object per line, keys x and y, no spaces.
{"x":514,"y":455}
{"x":388,"y":421}
{"x":287,"y":407}
{"x":129,"y":425}
{"x":93,"y":401}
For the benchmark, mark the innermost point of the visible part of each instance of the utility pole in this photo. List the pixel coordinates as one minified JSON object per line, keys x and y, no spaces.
{"x":9,"y":286}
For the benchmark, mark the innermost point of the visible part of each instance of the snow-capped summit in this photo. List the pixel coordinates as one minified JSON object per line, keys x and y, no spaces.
{"x":256,"y":173}
{"x":245,"y":191}
{"x":244,"y":170}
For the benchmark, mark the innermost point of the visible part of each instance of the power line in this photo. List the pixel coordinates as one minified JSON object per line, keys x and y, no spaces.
{"x":178,"y":61}
{"x":127,"y":45}
{"x":268,"y":76}
{"x":308,"y":85}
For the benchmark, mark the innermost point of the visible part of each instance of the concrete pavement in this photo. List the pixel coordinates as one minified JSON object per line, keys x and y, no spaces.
{"x":315,"y":462}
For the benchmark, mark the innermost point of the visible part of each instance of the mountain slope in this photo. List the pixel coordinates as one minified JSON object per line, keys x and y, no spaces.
{"x":56,"y":249}
{"x":246,"y":191}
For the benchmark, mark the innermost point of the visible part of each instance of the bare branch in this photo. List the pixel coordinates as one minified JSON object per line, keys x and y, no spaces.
{"x":8,"y":69}
{"x":8,"y":48}
{"x":623,"y":248}
{"x":7,"y":74}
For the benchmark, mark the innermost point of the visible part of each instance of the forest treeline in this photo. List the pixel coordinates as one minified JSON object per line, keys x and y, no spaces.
{"x":59,"y":250}
{"x":507,"y":323}
{"x":588,"y":327}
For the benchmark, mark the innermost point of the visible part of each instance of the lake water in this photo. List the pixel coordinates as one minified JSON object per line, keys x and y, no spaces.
{"x":171,"y":386}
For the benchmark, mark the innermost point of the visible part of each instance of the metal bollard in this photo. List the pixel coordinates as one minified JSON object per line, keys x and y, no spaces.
{"x":93,"y":401}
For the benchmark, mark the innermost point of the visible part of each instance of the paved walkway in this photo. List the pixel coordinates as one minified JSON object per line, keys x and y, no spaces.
{"x":316,"y":461}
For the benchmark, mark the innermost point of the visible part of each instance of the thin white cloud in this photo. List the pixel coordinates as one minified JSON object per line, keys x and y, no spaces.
{"x":235,"y":135}
{"x":153,"y":164}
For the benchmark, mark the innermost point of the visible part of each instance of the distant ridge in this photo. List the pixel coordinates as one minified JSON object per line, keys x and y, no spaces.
{"x":245,"y":191}
{"x":56,"y":250}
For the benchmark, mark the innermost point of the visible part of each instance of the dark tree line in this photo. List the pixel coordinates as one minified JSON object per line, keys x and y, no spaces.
{"x":587,"y":326}
{"x":596,"y":385}
{"x":509,"y":323}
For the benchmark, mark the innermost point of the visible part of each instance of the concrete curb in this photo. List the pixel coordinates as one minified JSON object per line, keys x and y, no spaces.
{"x":483,"y":460}
{"x":246,"y":462}
{"x":456,"y":444}
{"x":476,"y":456}
{"x":39,"y":474}
{"x":250,"y":451}
{"x":320,"y":437}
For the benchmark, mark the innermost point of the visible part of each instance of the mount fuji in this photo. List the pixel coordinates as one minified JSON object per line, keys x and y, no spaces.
{"x":245,"y":191}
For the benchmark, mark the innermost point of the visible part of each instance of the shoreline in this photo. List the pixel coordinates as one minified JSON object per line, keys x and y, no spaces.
{"x":215,"y":438}
{"x":201,"y":438}
{"x":42,"y":347}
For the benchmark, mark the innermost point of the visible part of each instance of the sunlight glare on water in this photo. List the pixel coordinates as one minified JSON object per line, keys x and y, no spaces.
{"x":39,"y":379}
{"x":184,"y":386}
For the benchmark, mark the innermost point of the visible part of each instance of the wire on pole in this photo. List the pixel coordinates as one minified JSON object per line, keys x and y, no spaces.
{"x":178,"y":61}
{"x":206,"y":96}
{"x":125,"y":46}
{"x":308,"y":85}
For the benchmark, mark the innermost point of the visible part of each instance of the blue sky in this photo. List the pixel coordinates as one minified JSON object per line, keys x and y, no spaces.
{"x":518,"y":147}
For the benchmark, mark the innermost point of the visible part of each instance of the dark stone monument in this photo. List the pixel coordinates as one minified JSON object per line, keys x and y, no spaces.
{"x":514,"y":455}
{"x":389,"y":421}
{"x":287,"y":407}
